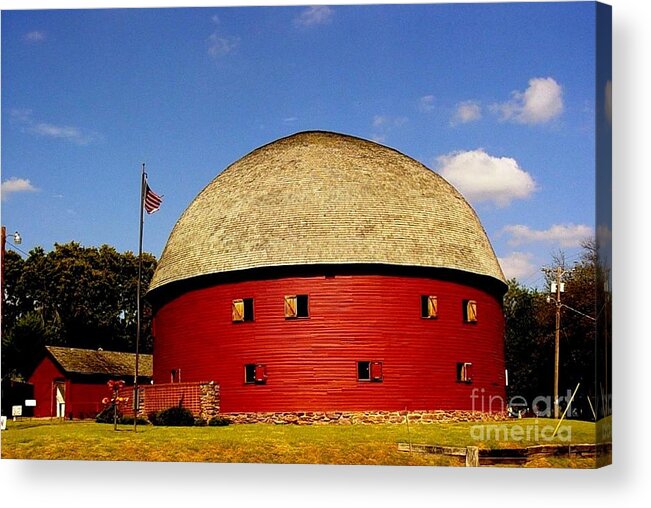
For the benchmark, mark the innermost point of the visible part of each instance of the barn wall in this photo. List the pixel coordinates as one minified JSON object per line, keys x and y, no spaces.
{"x":311,"y":363}
{"x":84,"y":394}
{"x":43,"y":378}
{"x":84,"y":399}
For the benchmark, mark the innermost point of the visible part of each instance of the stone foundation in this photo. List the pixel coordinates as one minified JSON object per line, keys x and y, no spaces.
{"x":203,"y":399}
{"x":209,"y":401}
{"x":364,"y":417}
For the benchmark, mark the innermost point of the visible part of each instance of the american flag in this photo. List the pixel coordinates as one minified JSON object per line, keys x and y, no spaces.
{"x":152,"y":200}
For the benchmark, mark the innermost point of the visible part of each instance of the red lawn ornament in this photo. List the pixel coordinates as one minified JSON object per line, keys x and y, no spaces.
{"x":115,"y":386}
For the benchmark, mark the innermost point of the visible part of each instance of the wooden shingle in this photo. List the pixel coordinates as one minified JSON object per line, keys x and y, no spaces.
{"x":91,"y":361}
{"x":325,"y":198}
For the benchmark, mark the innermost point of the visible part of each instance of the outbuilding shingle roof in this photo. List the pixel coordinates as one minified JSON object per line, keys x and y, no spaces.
{"x":90,"y":361}
{"x":325,"y":198}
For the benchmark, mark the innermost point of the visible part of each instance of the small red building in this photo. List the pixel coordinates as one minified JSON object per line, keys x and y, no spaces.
{"x":324,"y":272}
{"x":71,"y":383}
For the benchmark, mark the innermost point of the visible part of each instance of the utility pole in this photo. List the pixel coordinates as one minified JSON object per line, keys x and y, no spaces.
{"x":3,"y":241}
{"x":557,"y":339}
{"x":558,"y":288}
{"x":3,"y":249}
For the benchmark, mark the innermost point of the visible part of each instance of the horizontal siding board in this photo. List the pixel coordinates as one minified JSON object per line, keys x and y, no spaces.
{"x":312,"y":363}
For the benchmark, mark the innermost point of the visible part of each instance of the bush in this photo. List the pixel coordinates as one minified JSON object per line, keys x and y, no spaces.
{"x":153,"y":418}
{"x":106,"y":415}
{"x":219,"y":421}
{"x":173,"y":417}
{"x":200,"y":422}
{"x":128,"y":420}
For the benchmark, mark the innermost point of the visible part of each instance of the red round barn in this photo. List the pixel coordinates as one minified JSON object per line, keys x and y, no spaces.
{"x":324,"y":272}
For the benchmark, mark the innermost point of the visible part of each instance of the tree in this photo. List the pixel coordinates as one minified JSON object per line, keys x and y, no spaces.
{"x":22,"y":346}
{"x":530,"y":333}
{"x":529,"y":351}
{"x":83,"y":296}
{"x":12,"y":269}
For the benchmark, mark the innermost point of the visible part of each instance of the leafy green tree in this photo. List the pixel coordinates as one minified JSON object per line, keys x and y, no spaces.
{"x":12,"y":270}
{"x":529,"y":353}
{"x":22,"y":346}
{"x":578,"y":336}
{"x":83,"y":296}
{"x":530,"y":318}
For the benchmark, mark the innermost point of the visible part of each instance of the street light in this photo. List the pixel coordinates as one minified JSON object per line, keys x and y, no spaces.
{"x":3,"y":240}
{"x":16,"y":238}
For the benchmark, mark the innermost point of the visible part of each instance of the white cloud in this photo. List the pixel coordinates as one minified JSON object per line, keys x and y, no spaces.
{"x":608,"y":101}
{"x":56,"y":131}
{"x":35,"y":36}
{"x":383,"y":124}
{"x":67,"y":133}
{"x":426,"y":103}
{"x":389,"y":121}
{"x":541,"y":102}
{"x":518,"y":265}
{"x":379,"y":120}
{"x":482,"y":177}
{"x":220,"y":45}
{"x":72,"y":134}
{"x":565,"y":235}
{"x":14,"y":185}
{"x":22,"y":115}
{"x":314,"y":15}
{"x":467,"y":111}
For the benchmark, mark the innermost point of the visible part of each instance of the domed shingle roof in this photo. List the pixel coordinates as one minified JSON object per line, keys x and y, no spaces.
{"x":325,"y":198}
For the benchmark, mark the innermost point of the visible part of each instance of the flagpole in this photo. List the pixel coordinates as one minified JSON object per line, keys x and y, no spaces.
{"x":136,"y":401}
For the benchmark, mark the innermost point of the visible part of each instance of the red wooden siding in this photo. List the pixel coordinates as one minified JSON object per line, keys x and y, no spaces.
{"x":311,"y":364}
{"x":83,"y":397}
{"x":84,"y":400}
{"x":43,"y":379}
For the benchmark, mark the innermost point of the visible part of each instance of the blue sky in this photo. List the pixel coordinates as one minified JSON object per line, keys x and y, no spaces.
{"x":498,"y":98}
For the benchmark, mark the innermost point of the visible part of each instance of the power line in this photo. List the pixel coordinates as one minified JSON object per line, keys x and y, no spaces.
{"x":578,"y":311}
{"x":17,"y":248}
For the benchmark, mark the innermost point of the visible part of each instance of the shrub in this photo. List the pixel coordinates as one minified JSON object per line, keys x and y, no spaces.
{"x":128,"y":420}
{"x":219,"y":421}
{"x":173,"y":417}
{"x":153,"y":418}
{"x":200,"y":422}
{"x":106,"y":415}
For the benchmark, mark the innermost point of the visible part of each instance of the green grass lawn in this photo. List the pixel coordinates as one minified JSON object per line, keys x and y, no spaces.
{"x":279,"y":444}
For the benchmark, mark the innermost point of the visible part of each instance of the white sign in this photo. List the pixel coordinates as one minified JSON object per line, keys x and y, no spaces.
{"x":3,"y":423}
{"x":30,"y":403}
{"x":16,"y":410}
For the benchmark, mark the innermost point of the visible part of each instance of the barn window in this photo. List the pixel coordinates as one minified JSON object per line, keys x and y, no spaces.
{"x":428,"y":307}
{"x":464,"y":372}
{"x":470,"y":311}
{"x":296,"y":306}
{"x":242,"y":310}
{"x":175,"y":376}
{"x":255,"y":373}
{"x":369,"y":371}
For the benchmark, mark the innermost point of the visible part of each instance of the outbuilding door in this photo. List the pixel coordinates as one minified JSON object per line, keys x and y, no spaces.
{"x":60,"y":399}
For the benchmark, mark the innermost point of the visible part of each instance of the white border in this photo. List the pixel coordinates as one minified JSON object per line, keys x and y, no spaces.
{"x":101,"y":484}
